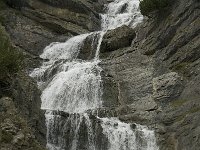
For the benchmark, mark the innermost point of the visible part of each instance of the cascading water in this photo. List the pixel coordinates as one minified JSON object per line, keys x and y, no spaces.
{"x":121,"y":12}
{"x":72,"y":91}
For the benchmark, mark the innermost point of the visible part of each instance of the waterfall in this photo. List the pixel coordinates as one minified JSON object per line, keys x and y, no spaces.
{"x":72,"y":92}
{"x":121,"y":12}
{"x":123,"y":136}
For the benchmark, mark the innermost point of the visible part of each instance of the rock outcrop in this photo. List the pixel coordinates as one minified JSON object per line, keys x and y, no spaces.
{"x":22,"y":123}
{"x":117,"y":38}
{"x":157,"y":78}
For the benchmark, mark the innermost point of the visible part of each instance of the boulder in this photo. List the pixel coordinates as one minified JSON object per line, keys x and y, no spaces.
{"x":118,"y":38}
{"x":89,"y":47}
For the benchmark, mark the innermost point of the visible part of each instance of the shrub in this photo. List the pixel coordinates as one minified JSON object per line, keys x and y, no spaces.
{"x":148,"y":6}
{"x":10,"y":58}
{"x":2,"y":5}
{"x":17,"y":4}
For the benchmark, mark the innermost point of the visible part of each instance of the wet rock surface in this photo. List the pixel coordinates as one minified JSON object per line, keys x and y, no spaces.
{"x":87,"y":124}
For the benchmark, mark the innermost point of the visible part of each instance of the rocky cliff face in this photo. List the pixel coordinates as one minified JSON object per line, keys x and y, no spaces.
{"x":22,"y":124}
{"x":151,"y":73}
{"x":156,"y":78}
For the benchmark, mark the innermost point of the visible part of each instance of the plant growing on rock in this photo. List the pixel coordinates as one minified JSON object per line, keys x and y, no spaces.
{"x":149,"y":6}
{"x":10,"y":58}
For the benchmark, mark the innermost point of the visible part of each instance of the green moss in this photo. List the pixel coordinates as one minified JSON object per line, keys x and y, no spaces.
{"x":2,"y":19}
{"x":148,"y":6}
{"x":181,"y":66}
{"x":178,"y":103}
{"x":179,"y":118}
{"x":6,"y":137}
{"x":188,"y":112}
{"x":194,"y":110}
{"x":2,"y":5}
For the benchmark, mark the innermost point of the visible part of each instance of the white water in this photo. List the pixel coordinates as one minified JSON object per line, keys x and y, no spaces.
{"x":114,"y":17}
{"x":74,"y":89}
{"x":74,"y":86}
{"x":56,"y":52}
{"x":122,"y":137}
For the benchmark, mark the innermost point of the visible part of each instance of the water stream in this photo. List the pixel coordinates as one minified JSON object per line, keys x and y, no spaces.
{"x":72,"y":88}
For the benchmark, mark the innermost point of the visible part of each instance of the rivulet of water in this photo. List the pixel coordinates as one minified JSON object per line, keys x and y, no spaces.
{"x":71,"y":87}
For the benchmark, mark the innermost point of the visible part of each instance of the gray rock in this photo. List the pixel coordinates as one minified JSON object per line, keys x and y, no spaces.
{"x":15,"y":132}
{"x":118,"y":38}
{"x":27,"y":100}
{"x":89,"y":47}
{"x":158,"y":76}
{"x":163,"y":85}
{"x":18,"y":139}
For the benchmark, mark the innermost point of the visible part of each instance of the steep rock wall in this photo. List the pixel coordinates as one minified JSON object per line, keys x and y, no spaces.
{"x":157,"y":78}
{"x":22,"y":123}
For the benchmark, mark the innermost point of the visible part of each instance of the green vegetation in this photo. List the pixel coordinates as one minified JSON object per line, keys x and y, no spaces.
{"x":194,"y":110}
{"x":2,"y":4}
{"x":10,"y":58}
{"x":149,"y":6}
{"x":188,"y":112}
{"x":176,"y":104}
{"x":182,"y":68}
{"x":6,"y":137}
{"x":179,"y":102}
